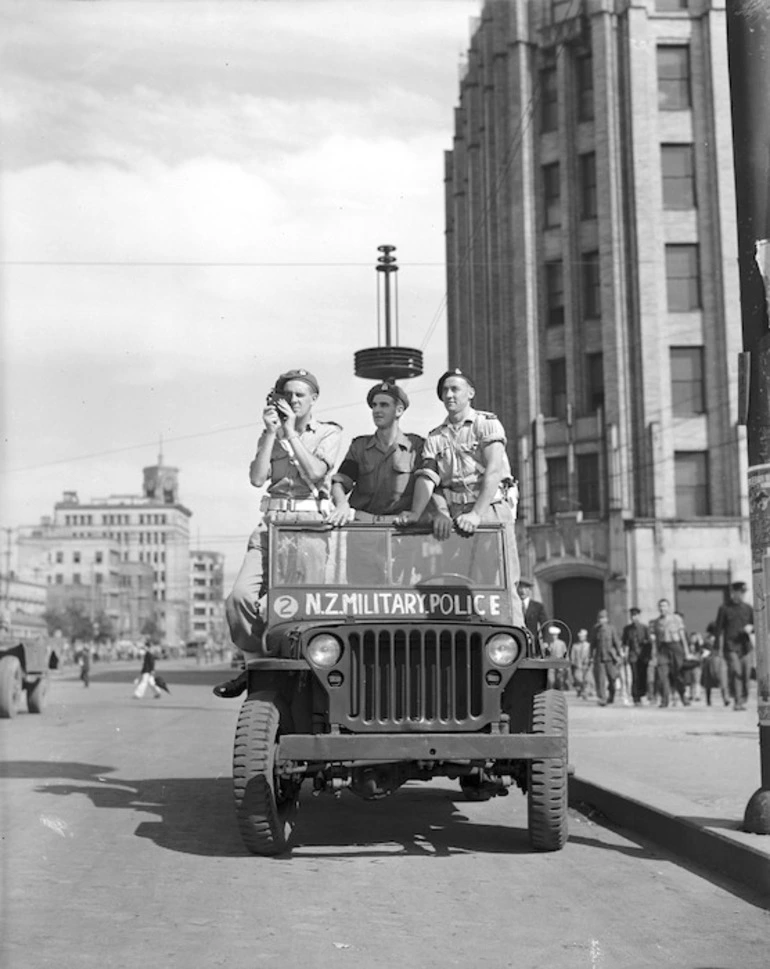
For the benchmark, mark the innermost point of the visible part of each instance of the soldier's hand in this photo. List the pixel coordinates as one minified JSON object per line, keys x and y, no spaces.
{"x":407,"y":518}
{"x":270,"y":417}
{"x":468,"y":523}
{"x":341,"y":514}
{"x":442,"y":527}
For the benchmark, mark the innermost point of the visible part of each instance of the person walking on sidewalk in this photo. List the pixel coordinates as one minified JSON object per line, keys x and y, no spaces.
{"x":734,"y":629}
{"x":668,"y":632}
{"x":580,"y":662}
{"x":85,"y":665}
{"x":714,"y":673}
{"x":605,"y":655}
{"x":636,"y":641}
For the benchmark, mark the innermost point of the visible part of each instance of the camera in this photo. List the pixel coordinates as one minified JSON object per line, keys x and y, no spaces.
{"x":272,"y":399}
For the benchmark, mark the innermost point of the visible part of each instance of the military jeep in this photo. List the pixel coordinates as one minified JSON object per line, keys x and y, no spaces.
{"x":23,"y":669}
{"x":390,"y":656}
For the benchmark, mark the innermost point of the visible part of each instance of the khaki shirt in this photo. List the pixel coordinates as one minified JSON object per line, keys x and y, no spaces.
{"x":380,"y":477}
{"x":668,"y":629}
{"x":322,"y":439}
{"x":453,"y":456}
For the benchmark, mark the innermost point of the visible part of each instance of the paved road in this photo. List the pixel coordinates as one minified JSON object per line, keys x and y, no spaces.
{"x":120,"y":849}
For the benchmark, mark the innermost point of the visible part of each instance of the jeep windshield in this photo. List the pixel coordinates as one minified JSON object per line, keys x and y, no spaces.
{"x":384,"y":556}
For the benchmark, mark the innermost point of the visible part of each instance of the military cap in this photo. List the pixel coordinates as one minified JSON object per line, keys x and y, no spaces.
{"x":457,"y":372}
{"x":391,"y":389}
{"x":525,"y":581}
{"x":739,"y":587}
{"x":634,"y":610}
{"x":304,"y":375}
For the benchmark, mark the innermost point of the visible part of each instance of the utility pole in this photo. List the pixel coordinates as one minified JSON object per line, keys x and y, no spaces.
{"x":748,"y":41}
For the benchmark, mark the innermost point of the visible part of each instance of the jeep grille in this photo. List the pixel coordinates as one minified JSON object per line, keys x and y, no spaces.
{"x":418,"y":678}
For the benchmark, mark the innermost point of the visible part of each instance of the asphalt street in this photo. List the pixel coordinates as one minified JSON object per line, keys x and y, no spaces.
{"x":120,"y":849}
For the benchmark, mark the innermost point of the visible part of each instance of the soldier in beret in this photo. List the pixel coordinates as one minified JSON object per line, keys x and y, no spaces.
{"x":295,"y":456}
{"x":465,"y":469}
{"x":376,"y":477}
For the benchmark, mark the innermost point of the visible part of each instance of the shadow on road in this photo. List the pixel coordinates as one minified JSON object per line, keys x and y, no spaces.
{"x":16,"y":769}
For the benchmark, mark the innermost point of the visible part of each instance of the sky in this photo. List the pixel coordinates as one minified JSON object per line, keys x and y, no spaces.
{"x":191,"y":199}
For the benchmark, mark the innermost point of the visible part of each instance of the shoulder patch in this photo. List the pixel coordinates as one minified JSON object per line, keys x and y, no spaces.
{"x":436,"y":430}
{"x":487,"y":415}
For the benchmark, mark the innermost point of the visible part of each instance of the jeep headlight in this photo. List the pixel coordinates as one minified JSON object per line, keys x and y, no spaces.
{"x":324,"y":650}
{"x":502,"y":649}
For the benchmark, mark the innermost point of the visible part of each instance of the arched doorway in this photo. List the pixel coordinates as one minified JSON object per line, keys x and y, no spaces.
{"x":576,"y":602}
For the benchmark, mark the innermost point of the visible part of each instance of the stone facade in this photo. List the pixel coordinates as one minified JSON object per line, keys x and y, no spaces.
{"x":560,"y":295}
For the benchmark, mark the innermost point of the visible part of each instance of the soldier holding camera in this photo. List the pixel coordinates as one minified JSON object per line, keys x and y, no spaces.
{"x":295,"y":454}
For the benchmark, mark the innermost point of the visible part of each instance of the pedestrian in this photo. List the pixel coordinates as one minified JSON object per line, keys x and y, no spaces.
{"x":465,"y":465}
{"x":714,"y":675}
{"x":146,"y":674}
{"x":605,"y":656}
{"x":693,"y":666}
{"x":295,"y":456}
{"x":556,"y":648}
{"x":734,"y":631}
{"x":668,"y":633}
{"x":375,"y":482}
{"x":85,"y":665}
{"x":636,"y":642}
{"x":580,"y":665}
{"x":535,"y":617}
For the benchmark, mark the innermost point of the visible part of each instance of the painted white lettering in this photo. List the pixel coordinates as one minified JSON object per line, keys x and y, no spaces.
{"x":479,"y":601}
{"x":313,"y":603}
{"x":446,"y":604}
{"x":434,"y":600}
{"x":398,"y":604}
{"x":461,"y":606}
{"x":494,"y":605}
{"x":410,"y":603}
{"x":331,"y":604}
{"x":349,"y":602}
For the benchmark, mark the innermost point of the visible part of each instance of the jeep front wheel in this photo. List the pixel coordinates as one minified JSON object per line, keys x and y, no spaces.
{"x":10,"y":686}
{"x":265,"y":804}
{"x":547,"y":778}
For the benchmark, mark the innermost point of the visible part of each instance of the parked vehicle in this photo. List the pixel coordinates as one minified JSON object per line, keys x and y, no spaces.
{"x":391,"y":656}
{"x":23,"y":669}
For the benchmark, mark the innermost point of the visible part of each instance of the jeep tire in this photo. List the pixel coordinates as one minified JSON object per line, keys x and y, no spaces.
{"x":265,"y":805}
{"x":36,"y":694}
{"x":547,"y":778}
{"x":11,"y":684}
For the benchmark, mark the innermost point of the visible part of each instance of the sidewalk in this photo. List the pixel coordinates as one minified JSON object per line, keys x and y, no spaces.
{"x":681,"y":777}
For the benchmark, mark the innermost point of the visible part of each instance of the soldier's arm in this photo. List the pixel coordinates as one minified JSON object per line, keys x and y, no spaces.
{"x":259,"y":470}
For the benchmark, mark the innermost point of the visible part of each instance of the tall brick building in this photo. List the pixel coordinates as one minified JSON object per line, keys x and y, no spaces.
{"x":593,"y":292}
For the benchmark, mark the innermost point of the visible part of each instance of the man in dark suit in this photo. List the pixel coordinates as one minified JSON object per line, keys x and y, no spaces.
{"x":534,"y":612}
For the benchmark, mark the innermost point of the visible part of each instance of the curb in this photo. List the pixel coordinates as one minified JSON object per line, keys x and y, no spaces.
{"x":702,"y":847}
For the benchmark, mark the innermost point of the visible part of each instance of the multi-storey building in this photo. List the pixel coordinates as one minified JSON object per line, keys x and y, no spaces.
{"x":125,"y":554}
{"x":207,"y":607}
{"x":593,"y":293}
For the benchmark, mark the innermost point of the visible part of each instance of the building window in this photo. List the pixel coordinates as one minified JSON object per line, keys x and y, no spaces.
{"x":76,"y":558}
{"x":76,"y":578}
{"x":59,"y":558}
{"x":588,"y":482}
{"x":584,"y":71}
{"x":683,"y":278}
{"x":554,"y":291}
{"x":592,"y":304}
{"x":98,"y":557}
{"x":676,"y":163}
{"x":59,"y":578}
{"x":549,"y":100}
{"x":691,"y":476}
{"x":687,"y":390}
{"x":551,"y":195}
{"x":673,"y":78}
{"x":558,"y":485}
{"x":588,"y":186}
{"x":594,"y":381}
{"x":557,"y":384}
{"x":98,"y":578}
{"x":671,"y":6}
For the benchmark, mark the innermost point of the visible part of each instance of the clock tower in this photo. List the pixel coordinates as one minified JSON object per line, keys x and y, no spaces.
{"x":161,"y":484}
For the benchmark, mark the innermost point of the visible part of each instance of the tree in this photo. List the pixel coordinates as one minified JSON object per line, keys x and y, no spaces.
{"x":104,"y":627}
{"x":73,"y":621}
{"x":153,"y":628}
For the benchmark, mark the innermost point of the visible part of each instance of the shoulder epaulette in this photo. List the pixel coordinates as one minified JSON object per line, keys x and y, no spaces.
{"x":435,"y":430}
{"x":487,"y":415}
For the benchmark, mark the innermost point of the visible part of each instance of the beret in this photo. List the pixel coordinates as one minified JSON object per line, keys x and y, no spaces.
{"x":391,"y":389}
{"x":457,"y":372}
{"x":305,"y":375}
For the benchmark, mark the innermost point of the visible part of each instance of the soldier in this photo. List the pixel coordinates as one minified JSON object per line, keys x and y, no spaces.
{"x":535,"y":616}
{"x":465,"y":469}
{"x":375,"y":482}
{"x":295,"y":454}
{"x":376,"y":477}
{"x":734,"y":628}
